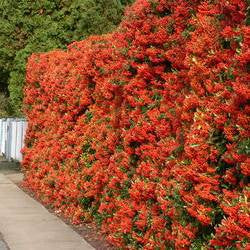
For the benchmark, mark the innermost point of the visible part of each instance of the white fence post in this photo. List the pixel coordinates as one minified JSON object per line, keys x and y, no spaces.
{"x":12,"y":134}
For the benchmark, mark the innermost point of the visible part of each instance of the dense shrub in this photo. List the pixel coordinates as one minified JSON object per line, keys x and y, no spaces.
{"x":146,"y":130}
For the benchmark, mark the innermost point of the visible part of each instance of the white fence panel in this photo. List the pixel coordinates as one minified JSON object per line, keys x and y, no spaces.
{"x":12,"y":134}
{"x":19,"y":140}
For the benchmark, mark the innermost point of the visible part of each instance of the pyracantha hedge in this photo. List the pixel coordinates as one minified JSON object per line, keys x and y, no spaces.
{"x":146,"y":130}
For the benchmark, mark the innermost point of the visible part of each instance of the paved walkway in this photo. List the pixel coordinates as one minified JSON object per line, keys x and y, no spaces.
{"x":27,"y":225}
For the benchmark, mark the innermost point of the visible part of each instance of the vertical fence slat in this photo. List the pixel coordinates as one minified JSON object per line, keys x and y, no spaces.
{"x":13,"y":139}
{"x":19,"y":139}
{"x":8,"y":139}
{"x":1,"y":136}
{"x":12,"y":134}
{"x":4,"y":136}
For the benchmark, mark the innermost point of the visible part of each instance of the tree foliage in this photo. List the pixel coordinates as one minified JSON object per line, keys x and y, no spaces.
{"x":38,"y":26}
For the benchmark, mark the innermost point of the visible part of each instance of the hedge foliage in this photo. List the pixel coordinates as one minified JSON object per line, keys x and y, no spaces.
{"x":146,"y":130}
{"x":29,"y":26}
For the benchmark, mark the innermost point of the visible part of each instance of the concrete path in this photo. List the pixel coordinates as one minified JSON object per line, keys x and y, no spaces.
{"x":27,"y":225}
